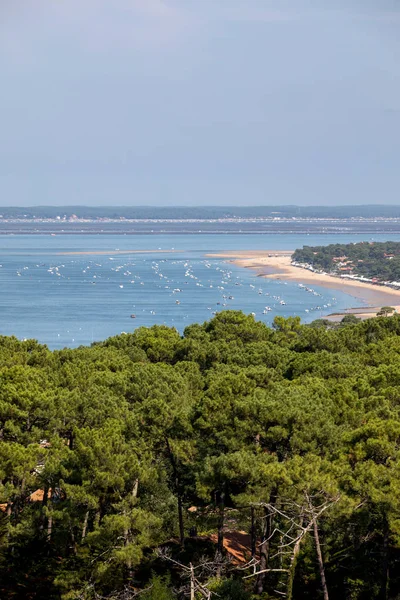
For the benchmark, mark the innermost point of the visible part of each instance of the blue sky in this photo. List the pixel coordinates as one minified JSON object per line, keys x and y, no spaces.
{"x":195,"y":102}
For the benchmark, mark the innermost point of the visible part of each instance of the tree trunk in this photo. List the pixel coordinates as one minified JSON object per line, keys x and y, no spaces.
{"x":127,"y":535}
{"x":221,"y":520}
{"x":49,"y":527}
{"x":264,"y":551}
{"x":292,"y":566}
{"x":320,"y":560}
{"x":73,"y":540}
{"x":385,"y":566}
{"x":97,"y":517}
{"x":135,"y":489}
{"x":220,"y":539}
{"x":181,"y":525}
{"x":177,"y":486}
{"x":85,"y":524}
{"x":9,"y":512}
{"x":44,"y":504}
{"x":253,"y":533}
{"x":50,"y":521}
{"x":127,"y":530}
{"x":192,"y":586}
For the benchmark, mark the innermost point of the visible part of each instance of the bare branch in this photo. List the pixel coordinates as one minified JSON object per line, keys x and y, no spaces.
{"x":266,"y":571}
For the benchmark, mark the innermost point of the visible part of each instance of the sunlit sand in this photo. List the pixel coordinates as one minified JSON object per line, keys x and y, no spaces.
{"x":276,"y":264}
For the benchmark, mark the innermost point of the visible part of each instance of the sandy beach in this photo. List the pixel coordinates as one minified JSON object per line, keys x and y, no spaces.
{"x":276,"y":264}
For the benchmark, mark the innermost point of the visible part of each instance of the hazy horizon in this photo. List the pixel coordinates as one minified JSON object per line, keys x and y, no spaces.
{"x":200,"y":205}
{"x":188,"y":103}
{"x":186,"y":205}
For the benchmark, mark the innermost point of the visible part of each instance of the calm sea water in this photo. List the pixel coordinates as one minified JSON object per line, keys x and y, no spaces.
{"x":68,"y":300}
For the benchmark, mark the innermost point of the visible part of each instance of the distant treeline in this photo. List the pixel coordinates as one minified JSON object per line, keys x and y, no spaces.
{"x":373,"y":260}
{"x":234,"y":462}
{"x":201,"y":212}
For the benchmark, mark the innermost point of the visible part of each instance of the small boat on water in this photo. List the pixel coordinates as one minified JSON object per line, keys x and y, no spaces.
{"x":133,"y":316}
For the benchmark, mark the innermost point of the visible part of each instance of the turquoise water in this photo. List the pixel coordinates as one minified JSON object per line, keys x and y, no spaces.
{"x":69,"y":300}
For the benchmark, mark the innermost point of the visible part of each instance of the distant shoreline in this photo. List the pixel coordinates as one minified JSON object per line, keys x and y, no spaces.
{"x":276,"y":264}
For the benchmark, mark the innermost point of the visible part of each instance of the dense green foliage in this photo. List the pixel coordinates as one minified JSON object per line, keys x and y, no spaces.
{"x":380,"y":260}
{"x":292,"y":433}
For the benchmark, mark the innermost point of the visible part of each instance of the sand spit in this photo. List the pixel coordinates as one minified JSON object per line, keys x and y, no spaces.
{"x":274,"y":264}
{"x":107,"y":252}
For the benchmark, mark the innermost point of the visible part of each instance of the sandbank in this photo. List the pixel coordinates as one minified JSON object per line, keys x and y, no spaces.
{"x":276,"y":264}
{"x":106,"y":252}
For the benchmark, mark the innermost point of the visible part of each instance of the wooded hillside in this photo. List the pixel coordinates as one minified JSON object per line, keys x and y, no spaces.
{"x":134,"y":465}
{"x":373,"y":260}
